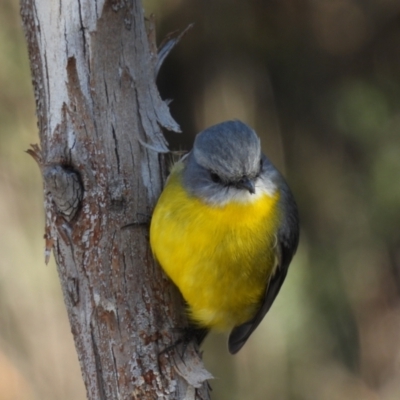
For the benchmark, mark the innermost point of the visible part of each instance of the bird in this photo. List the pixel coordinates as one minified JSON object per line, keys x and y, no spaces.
{"x":224,"y":230}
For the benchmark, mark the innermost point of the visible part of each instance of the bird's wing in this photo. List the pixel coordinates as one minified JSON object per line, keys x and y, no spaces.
{"x":288,"y":238}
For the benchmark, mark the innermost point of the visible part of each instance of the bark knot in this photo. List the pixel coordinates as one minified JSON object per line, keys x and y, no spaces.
{"x":66,"y":189}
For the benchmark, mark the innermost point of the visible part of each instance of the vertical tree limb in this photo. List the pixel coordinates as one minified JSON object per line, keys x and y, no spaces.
{"x":94,"y":79}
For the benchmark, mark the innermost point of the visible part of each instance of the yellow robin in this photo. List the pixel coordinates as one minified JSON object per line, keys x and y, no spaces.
{"x":225,"y":229}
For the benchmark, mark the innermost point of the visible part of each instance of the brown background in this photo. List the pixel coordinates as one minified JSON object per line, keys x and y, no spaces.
{"x":320,"y":82}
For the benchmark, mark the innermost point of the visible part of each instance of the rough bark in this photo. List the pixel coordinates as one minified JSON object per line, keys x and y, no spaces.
{"x":100,"y":121}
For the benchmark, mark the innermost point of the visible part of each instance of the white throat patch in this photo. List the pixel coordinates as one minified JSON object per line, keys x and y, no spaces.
{"x":231,"y":194}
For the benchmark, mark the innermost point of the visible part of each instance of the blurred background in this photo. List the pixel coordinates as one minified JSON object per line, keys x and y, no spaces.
{"x":319,"y":80}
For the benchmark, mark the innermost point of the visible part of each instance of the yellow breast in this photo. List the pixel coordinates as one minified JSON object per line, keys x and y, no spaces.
{"x":220,"y":257}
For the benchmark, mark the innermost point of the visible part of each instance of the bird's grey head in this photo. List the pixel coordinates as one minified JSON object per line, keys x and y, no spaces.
{"x":226,"y":164}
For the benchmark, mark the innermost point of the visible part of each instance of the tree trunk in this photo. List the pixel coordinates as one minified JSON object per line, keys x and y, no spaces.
{"x":100,"y":120}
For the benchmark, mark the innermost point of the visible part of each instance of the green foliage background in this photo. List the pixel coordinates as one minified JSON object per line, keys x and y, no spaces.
{"x":320,"y":82}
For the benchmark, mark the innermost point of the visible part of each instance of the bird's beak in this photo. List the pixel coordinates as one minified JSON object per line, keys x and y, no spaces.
{"x":248,"y":184}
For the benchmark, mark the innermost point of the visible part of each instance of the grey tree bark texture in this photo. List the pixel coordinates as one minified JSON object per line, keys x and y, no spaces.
{"x":100,"y":120}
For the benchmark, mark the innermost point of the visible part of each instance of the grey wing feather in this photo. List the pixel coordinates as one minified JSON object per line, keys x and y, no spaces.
{"x":288,"y":238}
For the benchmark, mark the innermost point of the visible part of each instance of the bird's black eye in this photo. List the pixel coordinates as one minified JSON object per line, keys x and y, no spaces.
{"x":215,"y":178}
